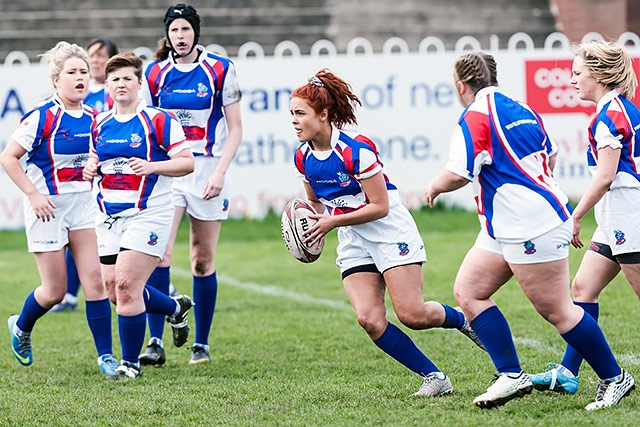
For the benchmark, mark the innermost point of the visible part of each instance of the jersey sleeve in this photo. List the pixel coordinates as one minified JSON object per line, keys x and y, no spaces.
{"x":368,"y":166}
{"x":27,"y":131}
{"x":177,"y":139}
{"x":606,"y":136}
{"x":466,"y":158}
{"x":231,"y":92}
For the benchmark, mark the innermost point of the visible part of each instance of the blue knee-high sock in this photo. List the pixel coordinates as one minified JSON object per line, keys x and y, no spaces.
{"x":158,"y":303}
{"x":31,"y":312}
{"x":398,"y":345}
{"x":587,"y":338}
{"x":205,"y":293}
{"x":453,"y":318}
{"x":99,"y":320}
{"x":492,"y":329}
{"x":73,"y":280}
{"x":132,"y":330}
{"x":572,"y":359}
{"x":159,"y":279}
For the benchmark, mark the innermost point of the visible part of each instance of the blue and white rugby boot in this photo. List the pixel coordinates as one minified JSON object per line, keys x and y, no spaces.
{"x":554,"y":379}
{"x":20,"y":342}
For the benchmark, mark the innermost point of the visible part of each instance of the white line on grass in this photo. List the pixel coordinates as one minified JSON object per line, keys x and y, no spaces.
{"x":275,"y":291}
{"x":270,"y":290}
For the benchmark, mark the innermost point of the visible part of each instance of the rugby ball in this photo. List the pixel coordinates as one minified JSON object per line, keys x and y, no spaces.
{"x":295,"y":223}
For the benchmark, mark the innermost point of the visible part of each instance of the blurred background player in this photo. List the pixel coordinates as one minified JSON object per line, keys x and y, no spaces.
{"x":379,"y":246}
{"x":501,"y":146}
{"x":99,"y":51}
{"x":603,"y":74}
{"x":59,"y":208}
{"x":203,"y":91}
{"x":136,"y":150}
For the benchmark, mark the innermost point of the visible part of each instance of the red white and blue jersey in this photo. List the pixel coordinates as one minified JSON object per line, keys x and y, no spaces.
{"x":57,"y":145}
{"x":502,"y":147}
{"x":196,"y":93}
{"x":334,"y":175}
{"x":99,"y":97}
{"x":616,"y":124}
{"x":151,"y":134}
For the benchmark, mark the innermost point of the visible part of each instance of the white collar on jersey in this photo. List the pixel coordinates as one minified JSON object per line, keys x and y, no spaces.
{"x":606,"y":98}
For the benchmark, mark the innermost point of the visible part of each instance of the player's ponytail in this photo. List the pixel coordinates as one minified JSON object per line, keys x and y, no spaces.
{"x":327,"y":91}
{"x":473,"y":69}
{"x":162,"y":50}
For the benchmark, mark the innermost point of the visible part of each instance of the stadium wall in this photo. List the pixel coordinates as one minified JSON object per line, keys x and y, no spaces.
{"x":409,"y":109}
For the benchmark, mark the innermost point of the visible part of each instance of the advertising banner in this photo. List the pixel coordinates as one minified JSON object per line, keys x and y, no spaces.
{"x":409,"y":109}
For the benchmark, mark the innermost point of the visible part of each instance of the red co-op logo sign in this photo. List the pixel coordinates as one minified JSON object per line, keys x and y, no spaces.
{"x":549,"y":90}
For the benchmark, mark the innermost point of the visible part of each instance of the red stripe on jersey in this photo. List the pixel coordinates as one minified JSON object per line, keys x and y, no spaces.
{"x":624,"y":129}
{"x":128,"y":182}
{"x":194,"y":133}
{"x":69,"y":174}
{"x":347,"y":156}
{"x":50,"y":123}
{"x":218,"y":69}
{"x":299,"y":161}
{"x":155,"y":76}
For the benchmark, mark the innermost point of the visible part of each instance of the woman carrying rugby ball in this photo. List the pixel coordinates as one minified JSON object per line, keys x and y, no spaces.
{"x":379,"y":247}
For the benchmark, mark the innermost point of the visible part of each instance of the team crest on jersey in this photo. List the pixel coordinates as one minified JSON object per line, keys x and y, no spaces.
{"x":136,"y":140}
{"x":529,"y":247}
{"x":184,"y":117}
{"x":403,"y":248}
{"x":118,"y":168}
{"x":225,"y":205}
{"x":203,"y":90}
{"x":153,"y":239}
{"x":619,"y":235}
{"x":344,"y":179}
{"x":80,"y":160}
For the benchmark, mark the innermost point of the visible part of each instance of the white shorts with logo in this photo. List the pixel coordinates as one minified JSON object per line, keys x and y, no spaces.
{"x":386,"y":242}
{"x":146,"y":232}
{"x":188,"y":190}
{"x":618,"y":216}
{"x":551,"y":246}
{"x":74,"y":211}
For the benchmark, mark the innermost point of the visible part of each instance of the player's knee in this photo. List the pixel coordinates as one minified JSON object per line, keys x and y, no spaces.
{"x":413,"y":320}
{"x":370,"y":325}
{"x":202,"y":266}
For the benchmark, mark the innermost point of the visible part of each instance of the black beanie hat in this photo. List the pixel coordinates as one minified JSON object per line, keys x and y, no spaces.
{"x":185,"y":11}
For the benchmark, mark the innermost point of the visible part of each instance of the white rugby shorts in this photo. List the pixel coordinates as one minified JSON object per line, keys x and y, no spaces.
{"x":187,"y":192}
{"x":386,"y":242}
{"x":74,"y":211}
{"x":551,"y":246}
{"x":147,"y":232}
{"x":618,"y":217}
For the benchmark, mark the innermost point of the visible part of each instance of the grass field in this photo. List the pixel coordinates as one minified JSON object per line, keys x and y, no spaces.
{"x":287,"y":350}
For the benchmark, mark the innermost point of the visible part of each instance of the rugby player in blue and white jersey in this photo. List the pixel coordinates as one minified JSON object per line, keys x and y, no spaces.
{"x":202,"y":90}
{"x":501,"y":146}
{"x":603,"y":73}
{"x":58,"y":207}
{"x":135,"y":152}
{"x":380,"y":248}
{"x":99,"y":51}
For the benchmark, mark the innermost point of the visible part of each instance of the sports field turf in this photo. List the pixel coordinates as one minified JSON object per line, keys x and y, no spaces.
{"x":287,"y":350}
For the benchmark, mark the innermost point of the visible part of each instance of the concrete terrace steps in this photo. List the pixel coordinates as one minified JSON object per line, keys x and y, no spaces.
{"x":36,"y":25}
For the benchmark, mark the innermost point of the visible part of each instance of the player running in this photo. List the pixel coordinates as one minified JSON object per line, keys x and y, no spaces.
{"x":501,"y":146}
{"x":603,"y":73}
{"x":380,"y":248}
